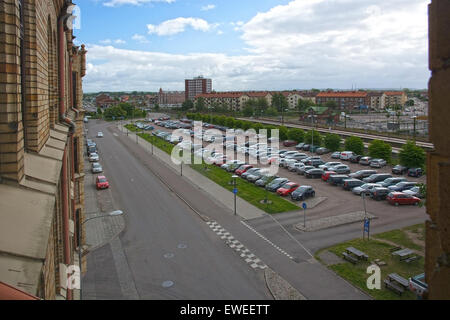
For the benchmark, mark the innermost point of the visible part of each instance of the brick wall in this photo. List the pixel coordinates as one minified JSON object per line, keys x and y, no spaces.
{"x":437,"y":260}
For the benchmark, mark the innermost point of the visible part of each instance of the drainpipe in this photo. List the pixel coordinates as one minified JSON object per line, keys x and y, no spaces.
{"x":62,"y":113}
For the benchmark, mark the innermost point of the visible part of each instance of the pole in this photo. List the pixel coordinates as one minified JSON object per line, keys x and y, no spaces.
{"x":181,"y":168}
{"x":79,"y":255}
{"x":235,"y":212}
{"x":304,"y":219}
{"x":414,"y":129}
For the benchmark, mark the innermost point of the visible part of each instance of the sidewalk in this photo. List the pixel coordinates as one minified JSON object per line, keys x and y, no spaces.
{"x":244,"y":209}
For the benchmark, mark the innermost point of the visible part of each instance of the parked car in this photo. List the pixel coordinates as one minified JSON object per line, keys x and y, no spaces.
{"x":337,"y":179}
{"x":287,"y":189}
{"x":248,"y":172}
{"x":379,"y":193}
{"x":401,"y":186}
{"x":349,"y":184}
{"x":94,"y":157}
{"x":415,"y":191}
{"x":101,"y":182}
{"x":399,"y":169}
{"x":314,"y":173}
{"x":313,"y":148}
{"x":289,"y":143}
{"x":300,"y":146}
{"x":266,"y":179}
{"x":315,"y":163}
{"x":377,"y":163}
{"x":257,"y":175}
{"x":306,"y":147}
{"x":286,"y":162}
{"x":341,"y":169}
{"x":329,"y":165}
{"x":336,"y":155}
{"x":297,"y":156}
{"x":400,"y":198}
{"x":322,"y":151}
{"x":276,"y":184}
{"x":242,"y":169}
{"x":355,"y":158}
{"x":311,"y":158}
{"x":226,"y":165}
{"x":293,"y":167}
{"x":326,"y":175}
{"x":392,"y":181}
{"x":96,"y":168}
{"x":346,"y":155}
{"x":302,"y":170}
{"x":302,"y":193}
{"x":287,"y":153}
{"x":91,"y":149}
{"x":415,"y":172}
{"x":99,"y":134}
{"x":361,"y":174}
{"x":377,"y":177}
{"x":234,"y":166}
{"x":365,"y":161}
{"x":365,"y":188}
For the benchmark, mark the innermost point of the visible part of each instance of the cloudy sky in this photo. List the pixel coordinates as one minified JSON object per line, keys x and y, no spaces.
{"x":254,"y":44}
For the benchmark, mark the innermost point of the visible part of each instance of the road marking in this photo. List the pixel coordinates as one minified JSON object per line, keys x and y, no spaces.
{"x":115,"y":134}
{"x":268,"y":241}
{"x":234,"y":244}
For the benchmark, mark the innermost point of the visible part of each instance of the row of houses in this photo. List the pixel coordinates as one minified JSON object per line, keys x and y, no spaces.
{"x":345,"y":100}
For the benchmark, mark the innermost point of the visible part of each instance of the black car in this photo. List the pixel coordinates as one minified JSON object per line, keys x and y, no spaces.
{"x":322,"y":151}
{"x":300,"y":146}
{"x":314,"y":173}
{"x":361,"y":174}
{"x":349,"y":184}
{"x":399,"y":169}
{"x":415,"y":172}
{"x":315,"y":162}
{"x":306,"y":147}
{"x":303,"y":193}
{"x":377,"y":178}
{"x":401,"y":186}
{"x":355,"y":158}
{"x":379,"y":193}
{"x":276,"y":184}
{"x":337,"y":179}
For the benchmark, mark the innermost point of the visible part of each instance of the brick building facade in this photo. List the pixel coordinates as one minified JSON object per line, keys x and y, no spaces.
{"x":41,"y":146}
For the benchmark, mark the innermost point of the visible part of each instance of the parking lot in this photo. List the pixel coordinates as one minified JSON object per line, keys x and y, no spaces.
{"x":337,"y":201}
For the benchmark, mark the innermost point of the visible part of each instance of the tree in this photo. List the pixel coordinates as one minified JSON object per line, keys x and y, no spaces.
{"x":248,"y":111}
{"x":279,"y":102}
{"x":296,"y":134}
{"x":332,"y":105}
{"x":283,"y":133}
{"x":303,"y":105}
{"x":99,"y":110}
{"x":332,"y":142}
{"x":187,"y":105}
{"x":318,"y":139}
{"x":200,"y":104}
{"x":156,"y":107}
{"x":412,"y":156}
{"x":271,"y":112}
{"x":229,"y":122}
{"x":354,"y":144}
{"x":380,"y":149}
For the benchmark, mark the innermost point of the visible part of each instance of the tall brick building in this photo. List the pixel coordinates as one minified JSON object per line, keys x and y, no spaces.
{"x":41,"y":147}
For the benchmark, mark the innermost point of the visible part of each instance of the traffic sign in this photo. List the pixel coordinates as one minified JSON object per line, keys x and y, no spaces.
{"x":367,"y":225}
{"x":304,"y":205}
{"x":235,"y":190}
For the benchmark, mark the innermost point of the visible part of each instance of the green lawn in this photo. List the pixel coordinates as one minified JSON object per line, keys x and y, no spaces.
{"x":356,"y":274}
{"x":247,"y":191}
{"x":401,"y":238}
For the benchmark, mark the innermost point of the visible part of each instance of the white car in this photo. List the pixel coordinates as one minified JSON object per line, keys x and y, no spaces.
{"x":346,"y":155}
{"x":96,"y":168}
{"x":94,"y":157}
{"x":99,"y":134}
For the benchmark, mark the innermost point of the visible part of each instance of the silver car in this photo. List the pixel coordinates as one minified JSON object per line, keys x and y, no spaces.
{"x":377,"y":163}
{"x":94,"y":157}
{"x":96,"y":168}
{"x":365,"y":188}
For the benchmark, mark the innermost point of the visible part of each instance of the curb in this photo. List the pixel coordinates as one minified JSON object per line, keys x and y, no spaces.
{"x":284,"y":291}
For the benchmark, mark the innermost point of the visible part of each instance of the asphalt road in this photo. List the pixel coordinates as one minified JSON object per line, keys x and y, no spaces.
{"x":164,"y":243}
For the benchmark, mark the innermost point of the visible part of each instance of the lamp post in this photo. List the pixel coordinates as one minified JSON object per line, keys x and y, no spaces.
{"x":414,"y":118}
{"x":109,"y":215}
{"x":235,"y":192}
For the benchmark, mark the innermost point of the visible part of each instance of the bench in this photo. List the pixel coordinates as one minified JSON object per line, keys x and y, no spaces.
{"x":393,"y":287}
{"x":349,"y":258}
{"x":357,"y":253}
{"x":394,"y":249}
{"x":411,"y":259}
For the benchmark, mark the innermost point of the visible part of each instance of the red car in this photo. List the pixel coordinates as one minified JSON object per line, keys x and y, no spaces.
{"x":398,"y":198}
{"x":243,"y":169}
{"x":287,"y":189}
{"x":289,"y":143}
{"x":101,"y":182}
{"x":326,"y":175}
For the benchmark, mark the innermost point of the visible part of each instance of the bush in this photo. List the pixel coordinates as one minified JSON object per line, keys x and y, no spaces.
{"x":283,"y":133}
{"x":332,"y":142}
{"x":354,"y":144}
{"x":412,"y":156}
{"x":317,"y":138}
{"x":296,"y":135}
{"x":271,"y":112}
{"x":380,"y":149}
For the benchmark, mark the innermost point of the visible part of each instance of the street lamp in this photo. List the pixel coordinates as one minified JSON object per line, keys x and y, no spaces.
{"x":109,"y":215}
{"x":414,"y":118}
{"x":235,"y":192}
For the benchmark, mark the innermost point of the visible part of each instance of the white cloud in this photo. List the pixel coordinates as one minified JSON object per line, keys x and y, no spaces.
{"x":109,"y":41}
{"x":178,"y":25}
{"x":116,"y":3}
{"x":208,"y":7}
{"x":303,"y":44}
{"x":119,"y":41}
{"x":106,"y":41}
{"x":139,"y":38}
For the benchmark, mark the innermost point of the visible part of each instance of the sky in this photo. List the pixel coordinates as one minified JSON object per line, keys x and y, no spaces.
{"x":145,"y":45}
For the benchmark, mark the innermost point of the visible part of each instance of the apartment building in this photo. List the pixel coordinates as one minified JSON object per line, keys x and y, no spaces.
{"x":196,"y":86}
{"x":392,"y":98}
{"x":376,"y":100}
{"x":41,"y":149}
{"x":170,"y":97}
{"x":234,"y":101}
{"x":346,"y":100}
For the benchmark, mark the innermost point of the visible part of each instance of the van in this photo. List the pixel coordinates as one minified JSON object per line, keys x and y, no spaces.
{"x":346,"y":155}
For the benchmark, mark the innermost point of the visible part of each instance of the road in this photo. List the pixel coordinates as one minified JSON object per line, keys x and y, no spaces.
{"x":163,"y":241}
